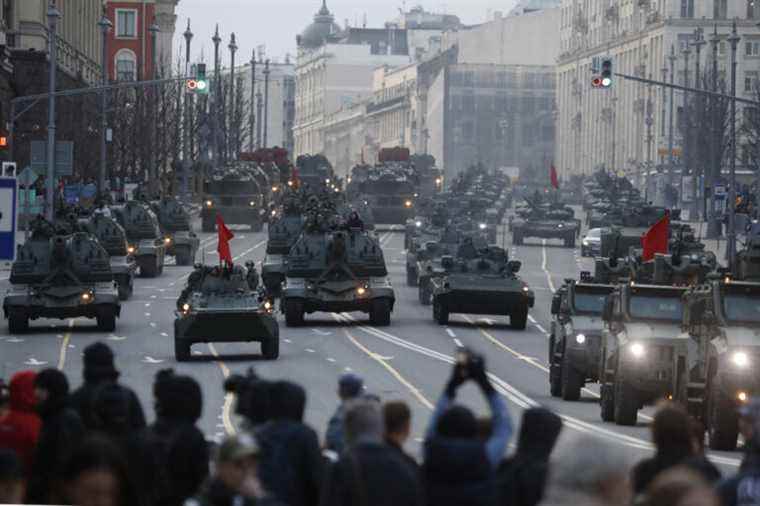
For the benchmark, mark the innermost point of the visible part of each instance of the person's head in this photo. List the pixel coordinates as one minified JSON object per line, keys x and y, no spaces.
{"x":349,"y":386}
{"x":99,"y":363}
{"x":12,"y":483}
{"x":111,"y":409}
{"x":680,"y":486}
{"x":177,"y":396}
{"x":363,"y":420}
{"x":599,"y":473}
{"x":51,"y":388}
{"x":398,"y":421}
{"x":287,"y":401}
{"x":95,"y":474}
{"x":749,"y":421}
{"x":539,"y":430}
{"x":670,"y":432}
{"x":697,"y":435}
{"x":457,"y":422}
{"x":21,"y":391}
{"x":236,"y":460}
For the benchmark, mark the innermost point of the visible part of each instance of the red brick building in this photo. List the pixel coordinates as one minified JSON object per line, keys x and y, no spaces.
{"x":129,"y":42}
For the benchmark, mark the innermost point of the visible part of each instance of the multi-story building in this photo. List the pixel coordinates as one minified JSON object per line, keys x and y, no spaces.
{"x":392,"y":110}
{"x":626,"y":127}
{"x":346,"y":141}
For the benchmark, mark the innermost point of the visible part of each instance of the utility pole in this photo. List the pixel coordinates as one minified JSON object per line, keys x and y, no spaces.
{"x":731,"y":245}
{"x":685,"y":134}
{"x":259,"y":109}
{"x":52,"y":14}
{"x":186,"y":130}
{"x":155,"y":181}
{"x":216,"y":100}
{"x":648,"y":121}
{"x":266,"y":100}
{"x":713,"y":227}
{"x":699,"y":41}
{"x":233,"y":128}
{"x":671,"y":160}
{"x":251,"y":143}
{"x":105,"y":25}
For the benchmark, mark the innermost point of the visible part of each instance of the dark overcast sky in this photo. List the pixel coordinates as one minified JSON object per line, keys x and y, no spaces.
{"x":276,"y":22}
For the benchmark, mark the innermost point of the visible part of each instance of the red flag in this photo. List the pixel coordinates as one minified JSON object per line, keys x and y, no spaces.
{"x":656,"y":238}
{"x":225,"y":234}
{"x":554,"y":178}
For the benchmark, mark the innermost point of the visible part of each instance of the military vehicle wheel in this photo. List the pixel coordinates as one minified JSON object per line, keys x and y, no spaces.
{"x":380,"y":313}
{"x":555,"y":371}
{"x":584,"y":251}
{"x":411,"y":278}
{"x":570,"y":241}
{"x":125,"y":290}
{"x":106,"y":319}
{"x":723,"y":423}
{"x":607,"y":403}
{"x":572,"y":382}
{"x":293,"y":313}
{"x":207,"y":225}
{"x":181,"y":350}
{"x":440,"y":312}
{"x":519,"y":318}
{"x":149,"y":270}
{"x":18,"y":322}
{"x":182,"y":255}
{"x":517,"y":238}
{"x":626,"y":407}
{"x":271,"y":348}
{"x":424,"y":293}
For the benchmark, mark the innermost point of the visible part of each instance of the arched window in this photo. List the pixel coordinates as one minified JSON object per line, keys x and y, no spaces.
{"x":126,"y":65}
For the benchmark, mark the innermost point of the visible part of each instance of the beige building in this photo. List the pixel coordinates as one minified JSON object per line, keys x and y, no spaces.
{"x":345,"y":138}
{"x":392,"y":111}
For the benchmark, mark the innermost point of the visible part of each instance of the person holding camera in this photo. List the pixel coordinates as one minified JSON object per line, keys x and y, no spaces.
{"x":459,"y":467}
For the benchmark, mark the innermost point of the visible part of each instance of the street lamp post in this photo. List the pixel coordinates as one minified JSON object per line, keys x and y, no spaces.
{"x":687,"y":129}
{"x":671,"y":160}
{"x":233,"y":128}
{"x":259,"y":109}
{"x":186,"y":130}
{"x":713,"y":227}
{"x":731,"y":246}
{"x":698,"y":42}
{"x":52,"y":14}
{"x":266,"y":100}
{"x":154,"y":184}
{"x":649,"y":121}
{"x":252,"y":122}
{"x":105,"y":25}
{"x":216,"y":100}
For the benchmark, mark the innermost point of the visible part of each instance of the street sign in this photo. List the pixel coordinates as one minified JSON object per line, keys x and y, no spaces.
{"x":9,"y":169}
{"x":27,"y":177}
{"x":64,"y":157}
{"x":8,"y":209}
{"x":720,"y":190}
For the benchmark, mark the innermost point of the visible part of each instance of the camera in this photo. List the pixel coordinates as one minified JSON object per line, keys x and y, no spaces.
{"x":468,"y":361}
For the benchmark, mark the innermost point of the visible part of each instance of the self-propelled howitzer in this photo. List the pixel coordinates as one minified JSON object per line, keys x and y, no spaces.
{"x":113,"y":238}
{"x":181,"y":242}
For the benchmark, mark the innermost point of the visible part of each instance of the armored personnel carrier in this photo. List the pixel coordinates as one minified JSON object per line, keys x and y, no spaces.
{"x":235,"y":194}
{"x":481,"y":282}
{"x":575,"y":338}
{"x":113,"y":239}
{"x":545,"y":222}
{"x":225,"y":305}
{"x":336,"y":271}
{"x":61,"y":276}
{"x":181,"y":241}
{"x":283,"y":233}
{"x":146,"y":243}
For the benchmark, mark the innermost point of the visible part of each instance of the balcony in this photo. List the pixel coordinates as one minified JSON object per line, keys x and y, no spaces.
{"x":75,"y":63}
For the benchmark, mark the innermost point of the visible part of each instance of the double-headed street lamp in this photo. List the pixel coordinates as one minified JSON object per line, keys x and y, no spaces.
{"x":52,"y":14}
{"x":105,"y":25}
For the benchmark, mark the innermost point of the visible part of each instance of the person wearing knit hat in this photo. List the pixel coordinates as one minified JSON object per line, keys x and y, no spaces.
{"x":99,"y":369}
{"x":349,"y":387}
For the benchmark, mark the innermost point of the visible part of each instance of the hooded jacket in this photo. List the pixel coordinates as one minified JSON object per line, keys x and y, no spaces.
{"x":61,"y":430}
{"x":521,"y":478}
{"x":744,"y":488}
{"x":20,"y":426}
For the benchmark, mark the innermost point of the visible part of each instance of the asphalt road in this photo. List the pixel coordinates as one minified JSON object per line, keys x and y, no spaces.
{"x":408,"y":360}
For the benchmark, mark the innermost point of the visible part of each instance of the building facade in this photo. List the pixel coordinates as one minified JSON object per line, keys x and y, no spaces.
{"x":130,"y":42}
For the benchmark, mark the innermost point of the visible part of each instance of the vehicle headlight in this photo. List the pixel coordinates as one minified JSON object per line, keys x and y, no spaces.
{"x":86,"y":297}
{"x":438,"y":180}
{"x":209,"y":203}
{"x":167,"y":240}
{"x":327,"y":181}
{"x":482,"y":226}
{"x":560,"y":225}
{"x":274,"y":212}
{"x":417,"y":224}
{"x":637,"y":350}
{"x":186,"y":307}
{"x":526,"y":289}
{"x":290,"y":183}
{"x":408,"y":203}
{"x":361,"y":290}
{"x":740,"y":359}
{"x":274,"y":188}
{"x":131,"y":249}
{"x":580,"y":338}
{"x":267,"y":305}
{"x":252,"y":203}
{"x":742,"y":396}
{"x":585,"y":242}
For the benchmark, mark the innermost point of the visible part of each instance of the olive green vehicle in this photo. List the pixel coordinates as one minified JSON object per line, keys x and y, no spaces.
{"x":146,"y":243}
{"x":481,"y":282}
{"x":644,"y":352}
{"x":61,"y":276}
{"x":235,"y":194}
{"x":113,"y":238}
{"x":283,"y":233}
{"x":545,"y":221}
{"x":575,"y":338}
{"x":337,"y":271}
{"x":225,"y":305}
{"x":179,"y":238}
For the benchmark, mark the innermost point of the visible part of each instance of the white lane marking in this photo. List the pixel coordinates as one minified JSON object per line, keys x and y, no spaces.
{"x":532,"y":320}
{"x":321,"y":332}
{"x":152,"y":324}
{"x":64,"y":347}
{"x":309,"y":350}
{"x":330,"y":359}
{"x":14,"y":340}
{"x":543,"y":266}
{"x":226,"y":415}
{"x":541,"y":329}
{"x":114,"y":337}
{"x":450,"y":332}
{"x":150,"y":360}
{"x":147,"y":314}
{"x":34,"y":362}
{"x":347,"y":369}
{"x":164,"y":334}
{"x":458,"y":343}
{"x":287,"y":340}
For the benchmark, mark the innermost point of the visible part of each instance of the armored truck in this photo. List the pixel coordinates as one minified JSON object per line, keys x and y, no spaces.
{"x":146,"y":243}
{"x":181,"y":242}
{"x":61,"y":276}
{"x":224,"y":304}
{"x":236,"y":195}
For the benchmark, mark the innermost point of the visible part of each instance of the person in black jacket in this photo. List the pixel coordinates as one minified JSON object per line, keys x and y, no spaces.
{"x":744,"y":488}
{"x":398,"y":426}
{"x":291,"y":462}
{"x":61,"y":430}
{"x":99,"y":369}
{"x":459,"y":467}
{"x":369,"y":472}
{"x":179,"y":446}
{"x":522,"y":477}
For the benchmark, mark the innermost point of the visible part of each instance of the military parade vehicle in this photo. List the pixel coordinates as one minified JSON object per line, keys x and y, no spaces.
{"x":283,"y":233}
{"x":575,"y":338}
{"x":61,"y":276}
{"x":146,"y":243}
{"x":545,"y":221}
{"x":113,"y":239}
{"x":481,"y":281}
{"x":234,"y":193}
{"x":315,"y":172}
{"x":181,"y":242}
{"x":224,"y":304}
{"x":390,"y":195}
{"x":335,"y":271}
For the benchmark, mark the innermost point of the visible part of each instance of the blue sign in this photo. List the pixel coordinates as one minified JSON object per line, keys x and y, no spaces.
{"x":8,"y":208}
{"x":72,"y":192}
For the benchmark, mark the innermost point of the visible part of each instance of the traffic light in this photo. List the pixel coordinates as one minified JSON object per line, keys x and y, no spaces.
{"x":200,"y":83}
{"x":606,"y":72}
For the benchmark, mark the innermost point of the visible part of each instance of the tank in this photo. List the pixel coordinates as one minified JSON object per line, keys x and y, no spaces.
{"x":225,"y":305}
{"x":545,"y":221}
{"x":481,"y":282}
{"x":234,"y":193}
{"x":148,"y":245}
{"x":61,"y":276}
{"x":181,"y":242}
{"x":336,"y":271}
{"x":113,"y":239}
{"x":283,"y":233}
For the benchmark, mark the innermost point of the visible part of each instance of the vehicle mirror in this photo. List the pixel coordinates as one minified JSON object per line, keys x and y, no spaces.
{"x":556,"y":302}
{"x":514,"y":265}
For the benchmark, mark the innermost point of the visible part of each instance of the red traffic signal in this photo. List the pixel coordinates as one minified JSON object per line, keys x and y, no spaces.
{"x":596,"y":82}
{"x":196,"y":85}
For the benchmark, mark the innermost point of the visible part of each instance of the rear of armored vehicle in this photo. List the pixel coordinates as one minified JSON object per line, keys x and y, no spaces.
{"x":238,"y":200}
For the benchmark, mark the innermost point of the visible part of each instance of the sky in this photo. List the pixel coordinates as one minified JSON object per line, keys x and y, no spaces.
{"x":275,"y":23}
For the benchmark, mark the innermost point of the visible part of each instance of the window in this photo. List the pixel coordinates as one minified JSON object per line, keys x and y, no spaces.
{"x":753,"y":11}
{"x":752,"y":48}
{"x":720,"y":9}
{"x":126,"y":23}
{"x":126,"y":66}
{"x":722,"y":48}
{"x":750,"y":80}
{"x":687,"y":8}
